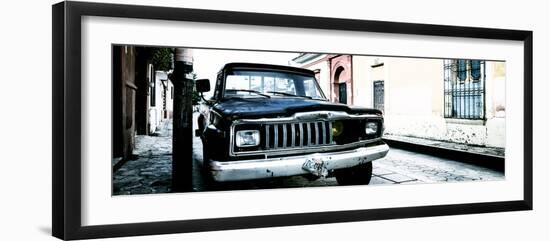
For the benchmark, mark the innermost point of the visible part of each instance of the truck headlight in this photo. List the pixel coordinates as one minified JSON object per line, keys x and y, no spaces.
{"x":337,"y":128}
{"x":247,"y":138}
{"x":371,"y":128}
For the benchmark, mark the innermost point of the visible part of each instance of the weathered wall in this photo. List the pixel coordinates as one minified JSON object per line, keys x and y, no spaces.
{"x":324,"y":75}
{"x":362,"y":81}
{"x":124,"y":92}
{"x":496,"y":103}
{"x":156,"y":111}
{"x":413,"y":97}
{"x":413,"y":101}
{"x":415,"y":104}
{"x":170,"y":99}
{"x":341,"y":72}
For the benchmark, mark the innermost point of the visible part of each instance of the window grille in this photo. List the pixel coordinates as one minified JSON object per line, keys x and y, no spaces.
{"x":464,"y":94}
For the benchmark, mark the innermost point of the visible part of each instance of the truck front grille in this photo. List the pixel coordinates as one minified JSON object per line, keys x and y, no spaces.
{"x":293,"y":135}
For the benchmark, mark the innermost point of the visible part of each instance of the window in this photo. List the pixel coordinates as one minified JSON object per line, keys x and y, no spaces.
{"x":464,"y":83}
{"x":262,"y":84}
{"x":258,"y":83}
{"x":378,"y":89}
{"x":311,"y":89}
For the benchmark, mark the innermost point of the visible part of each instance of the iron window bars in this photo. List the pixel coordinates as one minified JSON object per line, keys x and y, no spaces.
{"x":464,"y":94}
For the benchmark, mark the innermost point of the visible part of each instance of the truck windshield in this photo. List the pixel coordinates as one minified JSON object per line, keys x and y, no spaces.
{"x":258,"y":84}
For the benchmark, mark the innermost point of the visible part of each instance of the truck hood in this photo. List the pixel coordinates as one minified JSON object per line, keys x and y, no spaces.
{"x":240,"y":108}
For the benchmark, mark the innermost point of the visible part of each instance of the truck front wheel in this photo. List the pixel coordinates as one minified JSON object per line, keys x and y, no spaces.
{"x":358,"y":175}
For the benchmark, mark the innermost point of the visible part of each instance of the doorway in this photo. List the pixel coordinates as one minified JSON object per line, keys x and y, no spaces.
{"x":378,"y":90}
{"x":342,"y":93}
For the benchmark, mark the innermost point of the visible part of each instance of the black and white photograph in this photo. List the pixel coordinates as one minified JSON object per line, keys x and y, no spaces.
{"x":199,"y":119}
{"x":277,"y":120}
{"x":173,"y":119}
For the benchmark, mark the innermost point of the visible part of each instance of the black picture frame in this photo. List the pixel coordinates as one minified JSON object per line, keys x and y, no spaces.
{"x":66,"y":127}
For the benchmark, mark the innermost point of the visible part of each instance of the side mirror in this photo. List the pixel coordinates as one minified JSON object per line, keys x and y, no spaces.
{"x":202,"y":85}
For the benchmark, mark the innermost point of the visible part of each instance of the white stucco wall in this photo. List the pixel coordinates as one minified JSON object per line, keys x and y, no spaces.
{"x":324,"y":73}
{"x":156,"y":112}
{"x":324,"y":77}
{"x":170,"y":99}
{"x":413,"y":103}
{"x":496,"y":103}
{"x":362,"y":81}
{"x":414,"y":98}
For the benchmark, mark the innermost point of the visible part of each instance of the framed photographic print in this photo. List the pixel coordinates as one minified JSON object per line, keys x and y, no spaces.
{"x":170,"y":120}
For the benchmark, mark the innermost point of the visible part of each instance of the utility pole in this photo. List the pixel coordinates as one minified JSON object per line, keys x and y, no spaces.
{"x":182,"y":139}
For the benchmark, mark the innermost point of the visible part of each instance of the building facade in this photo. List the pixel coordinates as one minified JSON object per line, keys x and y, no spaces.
{"x":160,"y":100}
{"x":123,"y":98}
{"x":141,"y":98}
{"x":454,"y":100}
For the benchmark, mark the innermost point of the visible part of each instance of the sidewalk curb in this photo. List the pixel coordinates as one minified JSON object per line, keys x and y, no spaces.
{"x":484,"y":160}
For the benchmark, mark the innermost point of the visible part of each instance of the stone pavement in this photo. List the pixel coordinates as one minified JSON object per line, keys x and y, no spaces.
{"x":491,"y":151}
{"x":404,"y":167}
{"x":150,"y":171}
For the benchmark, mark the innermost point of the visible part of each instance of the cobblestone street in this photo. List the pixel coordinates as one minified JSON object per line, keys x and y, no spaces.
{"x":150,"y":170}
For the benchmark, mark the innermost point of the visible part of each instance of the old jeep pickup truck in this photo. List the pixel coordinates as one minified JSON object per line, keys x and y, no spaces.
{"x":265,"y":121}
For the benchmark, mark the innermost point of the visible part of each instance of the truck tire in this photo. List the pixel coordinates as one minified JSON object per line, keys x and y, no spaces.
{"x":208,"y":180}
{"x":358,"y":175}
{"x":205,"y":159}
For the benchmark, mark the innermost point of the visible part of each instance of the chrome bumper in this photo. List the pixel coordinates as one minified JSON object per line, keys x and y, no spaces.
{"x":292,"y":165}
